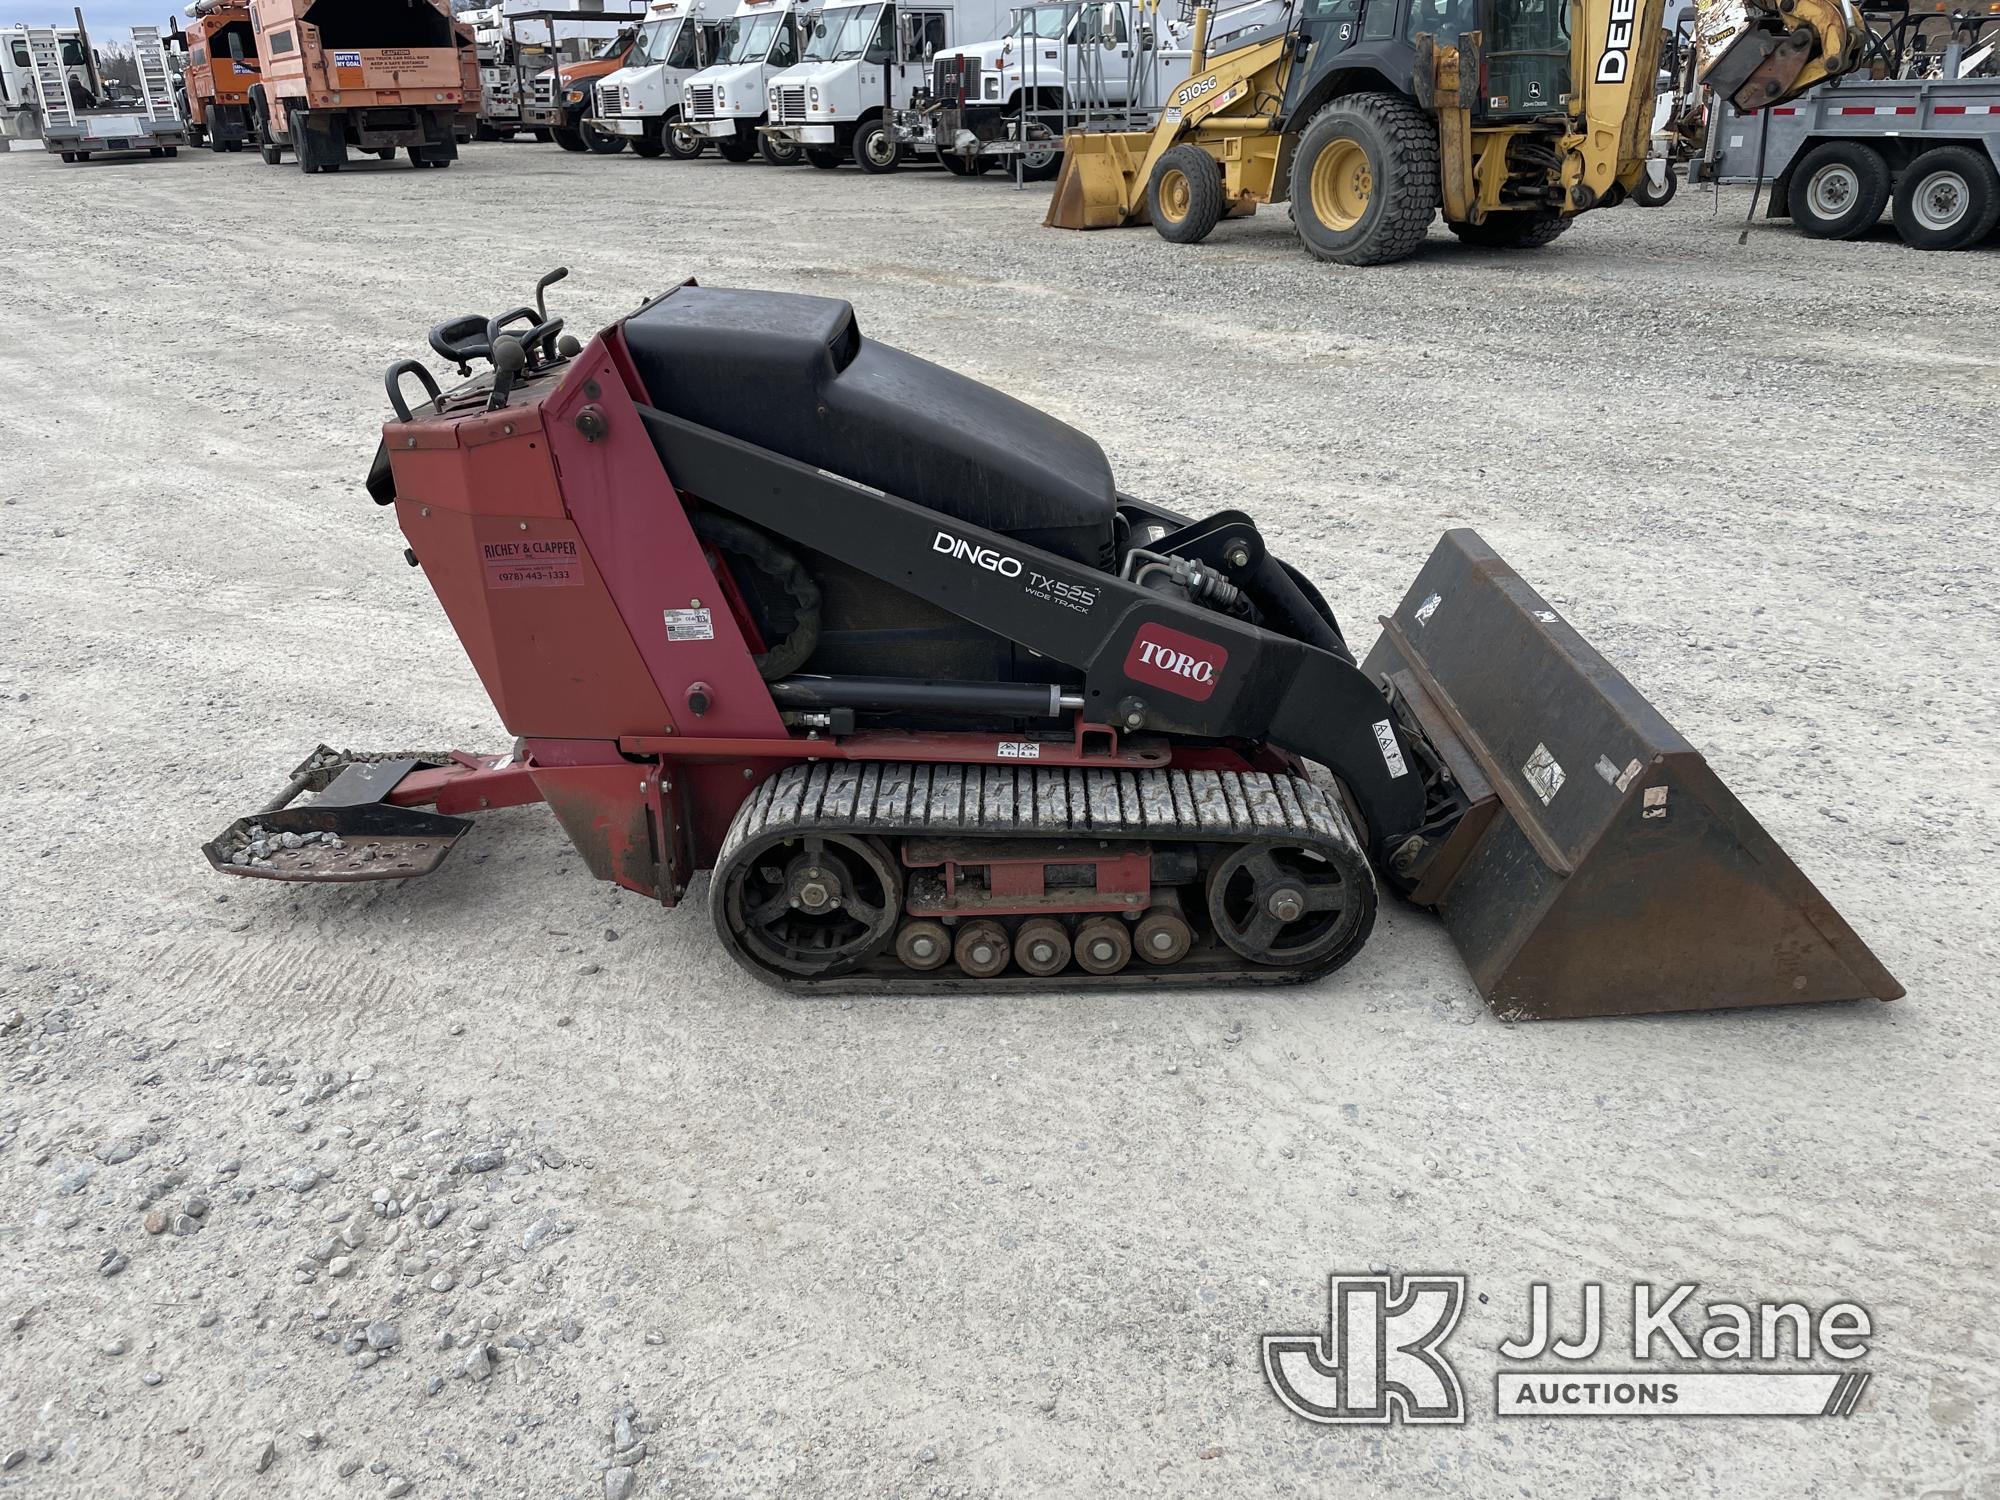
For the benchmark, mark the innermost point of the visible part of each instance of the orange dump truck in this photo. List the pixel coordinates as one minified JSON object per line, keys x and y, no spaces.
{"x":371,"y":76}
{"x":221,"y":50}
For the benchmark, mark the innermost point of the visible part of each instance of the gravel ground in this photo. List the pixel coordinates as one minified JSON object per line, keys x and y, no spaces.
{"x":504,"y":1183}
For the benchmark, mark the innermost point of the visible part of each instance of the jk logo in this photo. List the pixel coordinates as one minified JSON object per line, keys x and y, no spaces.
{"x":1378,"y":1359}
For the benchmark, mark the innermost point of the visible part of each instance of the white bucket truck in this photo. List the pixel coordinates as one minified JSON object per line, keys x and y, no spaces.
{"x":859,"y":65}
{"x":725,"y":103}
{"x":642,"y":102}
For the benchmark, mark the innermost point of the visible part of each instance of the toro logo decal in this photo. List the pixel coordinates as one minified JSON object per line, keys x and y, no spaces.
{"x":1182,"y":664}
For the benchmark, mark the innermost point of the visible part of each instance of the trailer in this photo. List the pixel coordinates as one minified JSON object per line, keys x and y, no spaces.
{"x":375,"y":76}
{"x":219,"y":68}
{"x":77,"y":124}
{"x":1927,"y":149}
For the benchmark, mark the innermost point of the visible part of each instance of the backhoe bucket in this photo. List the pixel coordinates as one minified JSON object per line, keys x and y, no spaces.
{"x":1098,"y":187}
{"x":1600,"y":867}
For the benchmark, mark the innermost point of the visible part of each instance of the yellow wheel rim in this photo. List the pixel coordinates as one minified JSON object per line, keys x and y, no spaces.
{"x":1341,"y":184}
{"x":1174,"y":194}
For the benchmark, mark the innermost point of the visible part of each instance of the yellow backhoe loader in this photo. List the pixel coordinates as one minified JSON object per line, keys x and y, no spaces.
{"x":1371,"y":116}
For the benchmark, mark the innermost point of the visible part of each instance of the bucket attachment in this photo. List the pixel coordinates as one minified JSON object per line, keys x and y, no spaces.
{"x":346,"y":832}
{"x":1099,"y":187}
{"x":1597,"y":866}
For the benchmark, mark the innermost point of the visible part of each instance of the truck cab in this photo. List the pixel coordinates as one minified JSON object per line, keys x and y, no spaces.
{"x":860,"y":64}
{"x":20,"y":104}
{"x":726,"y":102}
{"x":642,"y":102}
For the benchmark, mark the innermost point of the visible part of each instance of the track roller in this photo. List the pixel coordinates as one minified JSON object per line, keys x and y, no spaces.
{"x":1162,"y":937}
{"x":923,"y":945}
{"x":1103,"y":946}
{"x":1042,"y":946}
{"x":982,"y":949}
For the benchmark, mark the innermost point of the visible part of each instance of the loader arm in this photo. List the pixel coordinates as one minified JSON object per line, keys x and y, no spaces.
{"x":1614,"y":61}
{"x":1757,"y":53}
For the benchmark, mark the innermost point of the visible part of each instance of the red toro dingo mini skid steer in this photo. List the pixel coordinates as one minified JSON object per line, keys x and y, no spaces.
{"x":939,"y":707}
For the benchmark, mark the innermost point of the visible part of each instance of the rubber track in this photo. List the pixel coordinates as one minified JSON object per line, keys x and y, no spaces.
{"x":889,"y":799}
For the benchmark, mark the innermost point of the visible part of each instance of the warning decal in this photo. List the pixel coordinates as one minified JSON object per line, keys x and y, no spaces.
{"x":1544,"y":773}
{"x":533,"y":564}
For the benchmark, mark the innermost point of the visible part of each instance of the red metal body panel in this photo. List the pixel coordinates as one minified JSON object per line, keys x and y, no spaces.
{"x":631,"y":518}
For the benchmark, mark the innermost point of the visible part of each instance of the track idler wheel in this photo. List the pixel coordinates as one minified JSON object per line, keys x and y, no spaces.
{"x":982,"y":949}
{"x":1277,"y":904}
{"x":815,"y":904}
{"x":1042,"y":947}
{"x":1103,"y":946}
{"x":924,"y":945}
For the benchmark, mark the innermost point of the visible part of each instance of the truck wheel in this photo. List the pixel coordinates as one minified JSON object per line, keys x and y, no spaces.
{"x":651,"y":142}
{"x":1947,"y":199}
{"x":1512,"y":231}
{"x":173,"y":151}
{"x":568,"y":139}
{"x":826,"y":158}
{"x":1365,"y":180}
{"x":1838,"y":190}
{"x":602,"y":142}
{"x":1042,"y":160}
{"x":735,"y":148}
{"x":875,"y":148}
{"x":270,"y":154}
{"x":1185,"y":195}
{"x":779,"y":155}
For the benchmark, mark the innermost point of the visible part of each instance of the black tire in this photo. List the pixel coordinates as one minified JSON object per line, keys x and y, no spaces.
{"x":602,"y":142}
{"x":216,"y":148}
{"x":735,"y":149}
{"x":385,"y":153}
{"x":173,"y":151}
{"x":1185,"y":195}
{"x":682,"y":144}
{"x":568,"y":139}
{"x":875,"y":148}
{"x":1648,"y":196}
{"x":541,"y":133}
{"x":1365,"y":180}
{"x":233,"y":146}
{"x":1947,"y":199}
{"x":270,"y":154}
{"x":779,"y":153}
{"x":1043,"y":171}
{"x":1838,"y":190}
{"x":964,"y":166}
{"x":826,"y":158}
{"x":651,"y":141}
{"x":417,"y":158}
{"x":69,"y":156}
{"x":1513,"y":231}
{"x":155,"y":151}
{"x":481,"y":131}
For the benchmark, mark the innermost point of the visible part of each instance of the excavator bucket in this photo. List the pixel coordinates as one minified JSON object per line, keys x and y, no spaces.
{"x":1099,"y":187}
{"x":1600,"y":867}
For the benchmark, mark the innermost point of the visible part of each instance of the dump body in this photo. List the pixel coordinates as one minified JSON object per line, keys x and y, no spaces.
{"x":374,"y":75}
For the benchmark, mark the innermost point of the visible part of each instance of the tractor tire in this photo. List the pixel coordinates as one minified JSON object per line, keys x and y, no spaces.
{"x":1512,"y":231}
{"x":568,"y":139}
{"x":779,"y":155}
{"x":602,"y":142}
{"x":875,"y":148}
{"x":1838,"y":190}
{"x":1185,"y":195}
{"x":1365,"y":180}
{"x":651,"y":143}
{"x":1947,"y":199}
{"x":826,"y":158}
{"x":1647,"y":196}
{"x":735,"y":149}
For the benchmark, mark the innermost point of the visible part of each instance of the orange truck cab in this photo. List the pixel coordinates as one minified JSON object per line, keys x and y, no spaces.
{"x":372,"y":76}
{"x":220,"y":46}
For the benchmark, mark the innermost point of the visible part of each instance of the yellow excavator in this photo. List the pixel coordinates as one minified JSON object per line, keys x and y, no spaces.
{"x":1371,"y":116}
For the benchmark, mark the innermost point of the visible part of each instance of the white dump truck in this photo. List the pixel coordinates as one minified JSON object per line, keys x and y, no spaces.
{"x":724,"y":103}
{"x":642,"y":102}
{"x":858,"y":66}
{"x":78,"y":124}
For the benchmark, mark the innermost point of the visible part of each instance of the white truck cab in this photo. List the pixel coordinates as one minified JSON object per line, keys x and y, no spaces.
{"x":20,"y":103}
{"x":725,"y":102}
{"x":859,"y":64}
{"x":642,"y":102}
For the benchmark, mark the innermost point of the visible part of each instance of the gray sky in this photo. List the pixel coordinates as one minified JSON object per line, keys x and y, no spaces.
{"x":107,"y":19}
